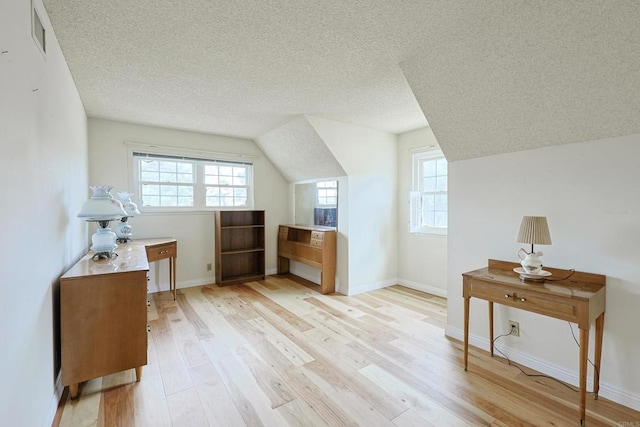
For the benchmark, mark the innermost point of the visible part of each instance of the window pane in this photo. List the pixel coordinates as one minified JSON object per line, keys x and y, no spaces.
{"x":184,"y":191}
{"x":430,"y":184}
{"x":441,"y":202}
{"x":168,"y":190}
{"x":429,"y":168}
{"x":226,"y":170}
{"x":440,"y":219}
{"x":150,"y":201}
{"x":441,"y":166}
{"x":168,"y":166}
{"x":185,"y":201}
{"x":186,"y":168}
{"x":151,"y":190}
{"x":441,"y":183}
{"x":185,"y":178}
{"x":150,"y":176}
{"x":428,"y":202}
{"x":167,"y":177}
{"x":149,"y":165}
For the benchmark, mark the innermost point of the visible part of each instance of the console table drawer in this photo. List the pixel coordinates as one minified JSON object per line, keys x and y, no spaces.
{"x":566,"y":309}
{"x":155,"y":253}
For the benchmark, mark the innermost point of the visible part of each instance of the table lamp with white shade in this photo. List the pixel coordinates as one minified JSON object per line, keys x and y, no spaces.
{"x":533,"y":230}
{"x":102,"y":208}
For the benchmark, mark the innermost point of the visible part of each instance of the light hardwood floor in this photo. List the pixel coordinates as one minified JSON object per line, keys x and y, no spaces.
{"x":278,"y":353}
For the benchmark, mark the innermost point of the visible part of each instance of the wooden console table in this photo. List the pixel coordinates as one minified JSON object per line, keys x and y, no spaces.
{"x":103,"y":311}
{"x":314,"y":246}
{"x":579,"y":299}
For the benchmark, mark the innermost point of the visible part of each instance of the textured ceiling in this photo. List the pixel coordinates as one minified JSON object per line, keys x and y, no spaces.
{"x":516,"y":75}
{"x":299,"y":162}
{"x":490,"y":76}
{"x":240,"y":68}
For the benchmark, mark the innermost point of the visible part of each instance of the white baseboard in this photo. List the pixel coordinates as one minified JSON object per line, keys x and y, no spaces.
{"x":366,"y":287}
{"x":615,"y":394}
{"x":55,"y":399}
{"x":423,"y":288}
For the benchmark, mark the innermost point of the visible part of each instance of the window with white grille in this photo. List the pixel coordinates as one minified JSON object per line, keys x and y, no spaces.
{"x":428,"y":202}
{"x":178,"y":183}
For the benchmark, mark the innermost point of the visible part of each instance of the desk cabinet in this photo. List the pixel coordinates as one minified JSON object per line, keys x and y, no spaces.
{"x":314,"y":246}
{"x":103,"y":314}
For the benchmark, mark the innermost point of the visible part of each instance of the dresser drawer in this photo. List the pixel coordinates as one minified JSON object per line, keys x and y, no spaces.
{"x":317,"y":235}
{"x":537,"y":302}
{"x":316,"y":243}
{"x":283,"y":233}
{"x":155,"y":253}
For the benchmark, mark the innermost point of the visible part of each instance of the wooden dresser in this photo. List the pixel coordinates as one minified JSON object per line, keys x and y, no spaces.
{"x":314,"y":246}
{"x":103,"y":312}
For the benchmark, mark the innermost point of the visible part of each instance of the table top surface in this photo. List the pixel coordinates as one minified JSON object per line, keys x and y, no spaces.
{"x":132,"y":256}
{"x":578,"y":285}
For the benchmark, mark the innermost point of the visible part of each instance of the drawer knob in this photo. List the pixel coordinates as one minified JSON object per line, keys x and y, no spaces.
{"x":507,"y":296}
{"x":164,"y":252}
{"x":523,"y":299}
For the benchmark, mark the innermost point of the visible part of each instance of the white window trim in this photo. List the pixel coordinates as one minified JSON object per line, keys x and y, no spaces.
{"x":199,"y":189}
{"x":415,"y":196}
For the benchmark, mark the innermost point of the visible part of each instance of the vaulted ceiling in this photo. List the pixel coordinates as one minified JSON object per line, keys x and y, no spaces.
{"x":490,"y":76}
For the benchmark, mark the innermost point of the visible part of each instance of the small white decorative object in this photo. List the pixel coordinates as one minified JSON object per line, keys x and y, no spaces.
{"x":123,"y":229}
{"x":531,"y":262}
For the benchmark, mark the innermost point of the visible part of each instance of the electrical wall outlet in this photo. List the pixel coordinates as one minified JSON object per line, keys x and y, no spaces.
{"x":209,"y":267}
{"x":514,"y":327}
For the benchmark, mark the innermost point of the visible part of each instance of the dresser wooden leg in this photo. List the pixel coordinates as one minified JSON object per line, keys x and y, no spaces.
{"x":73,"y":391}
{"x":138,"y":373}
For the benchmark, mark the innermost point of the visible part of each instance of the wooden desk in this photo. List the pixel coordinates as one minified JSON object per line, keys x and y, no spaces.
{"x":579,"y":299}
{"x":314,"y":246}
{"x":103,"y":312}
{"x":163,"y":248}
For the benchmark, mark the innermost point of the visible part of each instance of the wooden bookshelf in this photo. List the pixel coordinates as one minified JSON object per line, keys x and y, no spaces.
{"x":239,"y":246}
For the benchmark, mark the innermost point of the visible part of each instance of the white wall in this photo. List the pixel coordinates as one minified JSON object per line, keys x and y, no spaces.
{"x":109,"y":164}
{"x":370,"y":235}
{"x":589,"y":193}
{"x":43,"y":178}
{"x":422,"y":258}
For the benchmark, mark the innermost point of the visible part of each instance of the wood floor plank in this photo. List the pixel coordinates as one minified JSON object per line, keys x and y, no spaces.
{"x":186,"y":409}
{"x":217,"y":403}
{"x":277,"y":353}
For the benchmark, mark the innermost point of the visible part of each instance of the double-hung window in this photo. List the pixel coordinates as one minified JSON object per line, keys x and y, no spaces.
{"x":429,"y":199}
{"x":179,"y":183}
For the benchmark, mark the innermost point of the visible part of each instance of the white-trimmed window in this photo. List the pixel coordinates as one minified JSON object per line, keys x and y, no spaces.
{"x":428,"y":202}
{"x":180,"y":183}
{"x":327,"y":193}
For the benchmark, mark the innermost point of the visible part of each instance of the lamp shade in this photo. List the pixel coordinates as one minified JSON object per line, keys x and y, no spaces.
{"x":534,"y":229}
{"x":130,"y":208}
{"x":101,"y":206}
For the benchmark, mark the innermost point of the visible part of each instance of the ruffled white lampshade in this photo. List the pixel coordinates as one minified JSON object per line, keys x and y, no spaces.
{"x":102,"y":206}
{"x":130,"y":208}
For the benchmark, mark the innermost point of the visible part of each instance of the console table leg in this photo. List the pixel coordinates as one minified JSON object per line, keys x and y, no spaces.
{"x":598,"y":355}
{"x":491,"y":327}
{"x":584,"y":354}
{"x":466,"y":332}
